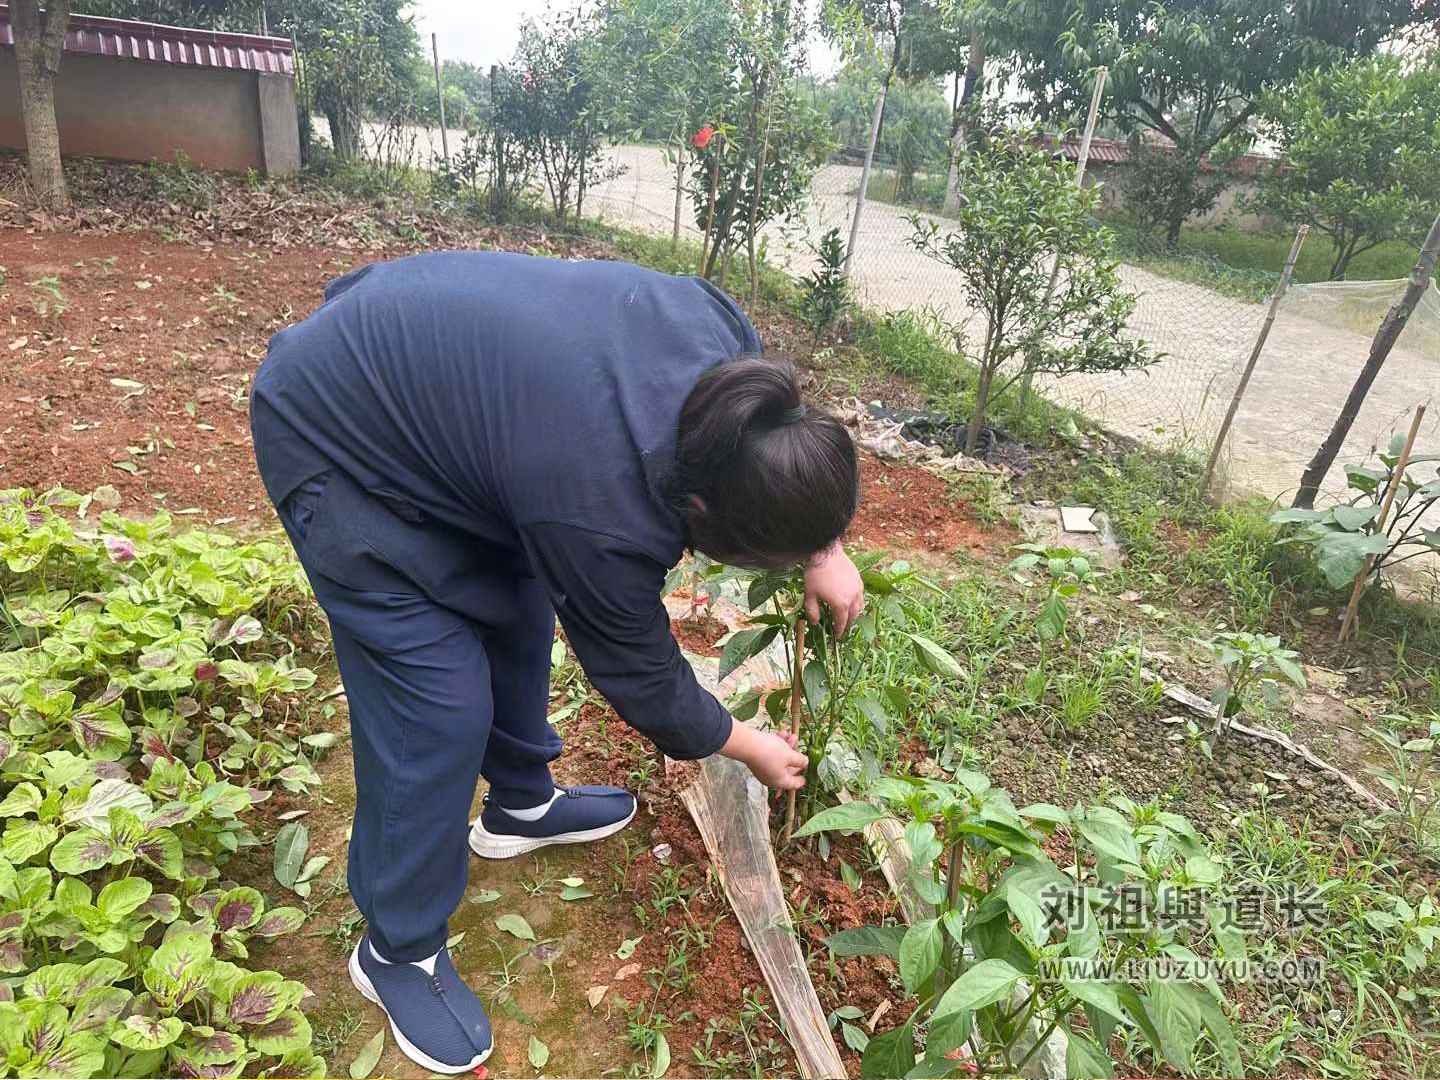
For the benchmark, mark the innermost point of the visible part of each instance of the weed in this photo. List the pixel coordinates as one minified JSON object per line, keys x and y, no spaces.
{"x":826,"y":294}
{"x":48,"y":300}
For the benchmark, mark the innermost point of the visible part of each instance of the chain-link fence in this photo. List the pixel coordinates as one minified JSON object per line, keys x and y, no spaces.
{"x":1200,"y":315}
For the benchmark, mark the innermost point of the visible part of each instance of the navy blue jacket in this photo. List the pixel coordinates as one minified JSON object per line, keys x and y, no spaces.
{"x":515,"y":415}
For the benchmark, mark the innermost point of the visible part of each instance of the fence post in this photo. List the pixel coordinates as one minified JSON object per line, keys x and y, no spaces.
{"x":870,"y":156}
{"x":440,"y":98}
{"x":1390,"y":327}
{"x":1280,"y":289}
{"x":1080,"y":161}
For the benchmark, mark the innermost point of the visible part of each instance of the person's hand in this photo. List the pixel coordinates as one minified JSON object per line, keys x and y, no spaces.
{"x":771,"y":757}
{"x":832,"y":579}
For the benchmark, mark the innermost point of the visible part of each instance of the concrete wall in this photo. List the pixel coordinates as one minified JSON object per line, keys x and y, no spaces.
{"x":136,"y":110}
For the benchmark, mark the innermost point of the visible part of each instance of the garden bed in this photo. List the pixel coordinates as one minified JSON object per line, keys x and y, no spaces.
{"x":154,"y":376}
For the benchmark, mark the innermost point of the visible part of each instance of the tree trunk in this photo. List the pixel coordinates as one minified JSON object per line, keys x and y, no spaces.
{"x":679,"y":192}
{"x":344,"y":132}
{"x":1343,"y":254}
{"x":960,"y":138}
{"x":39,"y":41}
{"x":982,"y":392}
{"x":1390,"y":328}
{"x":1172,"y":229}
{"x":755,"y":202}
{"x":704,"y":267}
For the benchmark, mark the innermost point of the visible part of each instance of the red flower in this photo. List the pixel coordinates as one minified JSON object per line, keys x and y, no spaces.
{"x":701,"y":138}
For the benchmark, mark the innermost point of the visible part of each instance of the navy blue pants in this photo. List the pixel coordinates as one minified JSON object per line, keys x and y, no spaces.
{"x":442,"y":689}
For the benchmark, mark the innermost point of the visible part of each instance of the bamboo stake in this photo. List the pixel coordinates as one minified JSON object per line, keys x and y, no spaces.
{"x":1396,"y":476}
{"x":440,"y":98}
{"x":797,"y":691}
{"x":1081,"y":160}
{"x":1279,"y":292}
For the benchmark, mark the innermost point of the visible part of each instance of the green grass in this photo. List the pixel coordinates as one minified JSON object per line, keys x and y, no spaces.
{"x":927,"y":193}
{"x":916,"y":343}
{"x":1246,"y":250}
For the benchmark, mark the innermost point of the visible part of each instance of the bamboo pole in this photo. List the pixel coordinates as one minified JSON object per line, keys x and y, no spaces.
{"x":1396,"y":476}
{"x":875,"y":119}
{"x":440,"y":98}
{"x":1081,"y":160}
{"x":1280,"y":289}
{"x":797,"y":692}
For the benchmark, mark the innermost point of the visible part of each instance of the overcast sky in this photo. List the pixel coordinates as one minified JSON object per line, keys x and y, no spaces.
{"x":485,"y":32}
{"x":480,"y":31}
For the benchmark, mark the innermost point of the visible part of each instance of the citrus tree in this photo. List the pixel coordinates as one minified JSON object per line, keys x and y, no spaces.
{"x":1020,"y":212}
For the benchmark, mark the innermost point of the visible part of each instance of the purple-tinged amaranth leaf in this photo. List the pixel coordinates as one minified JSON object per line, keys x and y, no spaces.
{"x":257,"y":998}
{"x":97,"y":973}
{"x":239,"y":909}
{"x":98,"y":1007}
{"x":175,"y":813}
{"x":7,"y":993}
{"x":159,"y":660}
{"x":179,"y":969}
{"x":119,"y":548}
{"x":277,"y":921}
{"x":45,"y":1029}
{"x":100,"y":736}
{"x":163,"y":907}
{"x":155,"y":744}
{"x":206,"y":902}
{"x":12,"y":924}
{"x":287,"y":1032}
{"x":206,"y":1046}
{"x":111,"y":694}
{"x":161,"y":849}
{"x":81,"y":851}
{"x":81,"y":1054}
{"x":109,"y":770}
{"x":206,"y":671}
{"x":147,"y":1032}
{"x":186,"y":707}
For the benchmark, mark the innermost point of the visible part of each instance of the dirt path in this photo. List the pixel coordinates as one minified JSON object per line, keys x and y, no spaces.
{"x":1307,"y":369}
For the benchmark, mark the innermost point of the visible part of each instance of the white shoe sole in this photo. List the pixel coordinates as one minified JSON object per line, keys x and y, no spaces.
{"x":409,"y":1049}
{"x":490,"y":845}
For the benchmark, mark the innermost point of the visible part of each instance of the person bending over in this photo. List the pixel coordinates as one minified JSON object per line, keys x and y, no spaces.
{"x":464,"y":445}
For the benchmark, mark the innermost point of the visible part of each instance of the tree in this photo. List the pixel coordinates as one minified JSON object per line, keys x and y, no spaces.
{"x":1019,"y":208}
{"x":39,"y":41}
{"x":1163,"y":186}
{"x":669,"y":67}
{"x":553,"y":107}
{"x":1360,"y":143}
{"x":467,"y":93}
{"x":1191,"y":71}
{"x":767,"y":139}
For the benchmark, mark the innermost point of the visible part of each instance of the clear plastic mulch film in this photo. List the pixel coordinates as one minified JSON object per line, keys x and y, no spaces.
{"x":731,"y":810}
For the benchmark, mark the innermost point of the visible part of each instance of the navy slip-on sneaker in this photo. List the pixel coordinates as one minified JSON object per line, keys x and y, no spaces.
{"x":577,"y":816}
{"x":438,"y":1021}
